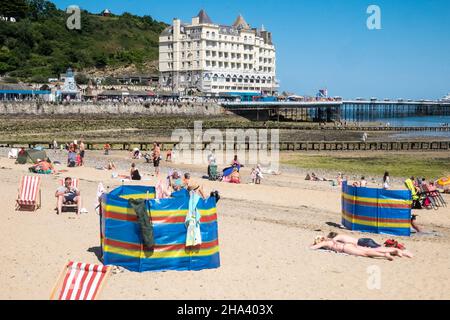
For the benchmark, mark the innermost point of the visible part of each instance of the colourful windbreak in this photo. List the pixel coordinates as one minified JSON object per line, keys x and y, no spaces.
{"x":376,"y":210}
{"x":122,"y":241}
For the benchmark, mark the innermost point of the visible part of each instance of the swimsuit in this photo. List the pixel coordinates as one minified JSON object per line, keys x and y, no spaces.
{"x":335,"y":247}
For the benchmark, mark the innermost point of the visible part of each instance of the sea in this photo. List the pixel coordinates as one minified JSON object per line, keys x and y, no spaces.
{"x":417,"y":121}
{"x":414,"y":121}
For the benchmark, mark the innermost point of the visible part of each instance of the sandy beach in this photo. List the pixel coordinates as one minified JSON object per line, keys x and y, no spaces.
{"x":264,"y":232}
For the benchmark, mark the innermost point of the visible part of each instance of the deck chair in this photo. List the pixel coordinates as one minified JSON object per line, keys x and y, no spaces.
{"x":435,"y":196}
{"x":80,"y":281}
{"x":29,"y":196}
{"x":70,"y":206}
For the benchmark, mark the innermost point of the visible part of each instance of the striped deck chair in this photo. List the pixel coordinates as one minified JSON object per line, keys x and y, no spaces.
{"x":29,"y":197}
{"x":80,"y":281}
{"x":70,"y":206}
{"x":75,"y":182}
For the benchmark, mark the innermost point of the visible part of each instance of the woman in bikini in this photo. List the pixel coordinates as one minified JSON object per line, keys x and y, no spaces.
{"x":366,"y":243}
{"x":351,"y":249}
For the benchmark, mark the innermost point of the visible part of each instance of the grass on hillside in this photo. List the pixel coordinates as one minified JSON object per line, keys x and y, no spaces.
{"x":398,"y":165}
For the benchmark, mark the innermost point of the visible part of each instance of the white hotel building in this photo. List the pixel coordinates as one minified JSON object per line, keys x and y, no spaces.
{"x":216,"y":59}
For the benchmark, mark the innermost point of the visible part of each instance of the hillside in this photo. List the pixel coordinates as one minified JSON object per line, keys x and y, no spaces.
{"x":39,"y":45}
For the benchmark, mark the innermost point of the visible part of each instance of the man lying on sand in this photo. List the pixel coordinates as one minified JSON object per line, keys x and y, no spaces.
{"x":350,"y":248}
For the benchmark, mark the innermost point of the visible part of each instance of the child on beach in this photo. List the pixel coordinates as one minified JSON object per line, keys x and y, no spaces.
{"x":253,"y":175}
{"x":386,"y":181}
{"x":134,"y":173}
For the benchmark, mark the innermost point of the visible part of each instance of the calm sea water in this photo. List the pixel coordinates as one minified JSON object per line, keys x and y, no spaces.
{"x":416,"y":121}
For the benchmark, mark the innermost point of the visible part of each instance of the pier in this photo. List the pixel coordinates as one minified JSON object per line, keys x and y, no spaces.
{"x":330,"y":111}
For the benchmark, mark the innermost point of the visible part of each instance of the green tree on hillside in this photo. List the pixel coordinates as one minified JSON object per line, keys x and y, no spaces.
{"x":40,"y":45}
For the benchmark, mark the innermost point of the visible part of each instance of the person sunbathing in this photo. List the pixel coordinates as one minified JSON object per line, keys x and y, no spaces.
{"x":364,"y":242}
{"x":111,"y":166}
{"x":352,"y":249}
{"x":42,"y":166}
{"x":235,"y":177}
{"x":68,"y":195}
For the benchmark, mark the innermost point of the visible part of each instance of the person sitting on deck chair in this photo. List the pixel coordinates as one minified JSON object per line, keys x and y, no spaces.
{"x":68,"y":195}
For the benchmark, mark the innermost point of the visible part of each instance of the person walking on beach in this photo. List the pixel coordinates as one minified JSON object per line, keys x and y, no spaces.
{"x":156,"y":157}
{"x":386,"y":181}
{"x":82,"y":152}
{"x":55,"y":145}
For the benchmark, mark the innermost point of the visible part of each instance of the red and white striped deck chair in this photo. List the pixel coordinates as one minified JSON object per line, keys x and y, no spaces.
{"x":80,"y":281}
{"x":29,"y":197}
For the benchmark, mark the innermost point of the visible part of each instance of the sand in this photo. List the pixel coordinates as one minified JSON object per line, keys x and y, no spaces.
{"x":264,"y":231}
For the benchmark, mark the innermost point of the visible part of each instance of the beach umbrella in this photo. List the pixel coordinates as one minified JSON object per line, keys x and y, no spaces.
{"x":444,"y":182}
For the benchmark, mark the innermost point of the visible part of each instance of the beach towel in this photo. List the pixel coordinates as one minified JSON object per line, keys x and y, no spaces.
{"x":193,"y":236}
{"x":140,"y":208}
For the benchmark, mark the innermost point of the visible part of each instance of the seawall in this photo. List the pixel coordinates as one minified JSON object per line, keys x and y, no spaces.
{"x":46,"y":108}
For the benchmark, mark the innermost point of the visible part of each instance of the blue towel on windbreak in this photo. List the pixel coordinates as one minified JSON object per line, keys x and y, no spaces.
{"x":193,"y":236}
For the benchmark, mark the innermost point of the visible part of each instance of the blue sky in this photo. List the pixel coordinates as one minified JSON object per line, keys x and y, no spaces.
{"x":327,"y":43}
